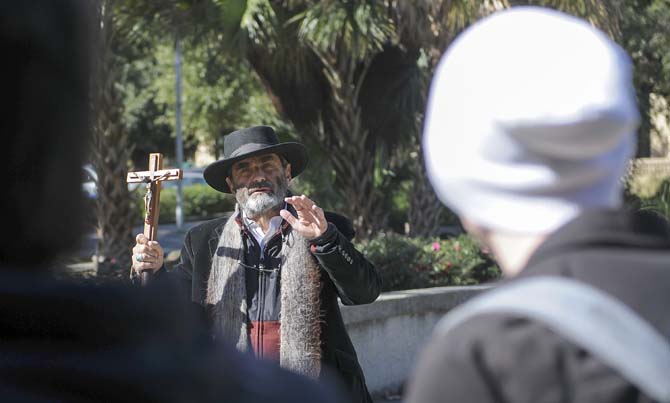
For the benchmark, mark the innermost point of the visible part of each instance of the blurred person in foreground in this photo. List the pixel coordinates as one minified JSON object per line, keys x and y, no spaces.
{"x":530,"y":126}
{"x":67,"y":342}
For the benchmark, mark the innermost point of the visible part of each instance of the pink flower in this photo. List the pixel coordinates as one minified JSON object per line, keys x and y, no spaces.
{"x":436,"y":246}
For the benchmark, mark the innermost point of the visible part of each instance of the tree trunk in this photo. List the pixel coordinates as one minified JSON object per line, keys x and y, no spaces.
{"x":425,"y":209}
{"x":110,"y":155}
{"x":354,"y":167}
{"x":350,"y":149}
{"x":329,"y":116}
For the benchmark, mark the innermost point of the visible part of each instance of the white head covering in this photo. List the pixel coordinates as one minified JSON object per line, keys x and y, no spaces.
{"x":531,"y":119}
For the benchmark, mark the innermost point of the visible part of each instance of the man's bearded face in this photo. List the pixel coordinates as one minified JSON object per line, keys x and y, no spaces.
{"x":260,"y":184}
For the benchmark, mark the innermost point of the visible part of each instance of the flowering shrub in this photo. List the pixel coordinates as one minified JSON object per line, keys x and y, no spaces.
{"x":395,"y":258}
{"x":406,"y":263}
{"x":458,"y":261}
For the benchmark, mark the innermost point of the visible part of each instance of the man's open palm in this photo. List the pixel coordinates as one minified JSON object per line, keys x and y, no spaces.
{"x":311,"y":221}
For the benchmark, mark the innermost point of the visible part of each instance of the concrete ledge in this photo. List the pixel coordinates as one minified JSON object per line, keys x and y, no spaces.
{"x":654,"y":166}
{"x":389,"y":333}
{"x":409,"y":302}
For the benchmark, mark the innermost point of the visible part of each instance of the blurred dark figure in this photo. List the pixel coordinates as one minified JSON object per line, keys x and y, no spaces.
{"x":66,"y":342}
{"x":44,"y":125}
{"x":530,"y":126}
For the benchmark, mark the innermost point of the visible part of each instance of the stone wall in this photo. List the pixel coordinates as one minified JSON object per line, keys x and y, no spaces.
{"x":389,"y":333}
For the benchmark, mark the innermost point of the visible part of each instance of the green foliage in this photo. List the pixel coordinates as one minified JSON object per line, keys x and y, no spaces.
{"x":458,"y":261}
{"x":317,"y":181}
{"x":406,"y":263}
{"x":395,"y":258}
{"x":200,"y":202}
{"x":226,"y":43}
{"x":148,"y":132}
{"x":645,"y":25}
{"x":219,"y":93}
{"x":400,"y":204}
{"x":361,"y":26}
{"x":660,"y":202}
{"x":314,"y":58}
{"x":645,"y":28}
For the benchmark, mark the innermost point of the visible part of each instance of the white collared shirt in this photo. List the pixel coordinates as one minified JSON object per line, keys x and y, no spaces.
{"x":255,"y":229}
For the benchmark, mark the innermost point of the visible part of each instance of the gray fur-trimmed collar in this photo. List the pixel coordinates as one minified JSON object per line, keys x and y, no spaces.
{"x":300,"y":348}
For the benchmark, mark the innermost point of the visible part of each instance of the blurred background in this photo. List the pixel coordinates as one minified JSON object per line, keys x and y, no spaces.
{"x":349,"y":79}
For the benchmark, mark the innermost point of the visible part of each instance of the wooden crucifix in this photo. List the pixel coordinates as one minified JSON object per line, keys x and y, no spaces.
{"x":153,"y":179}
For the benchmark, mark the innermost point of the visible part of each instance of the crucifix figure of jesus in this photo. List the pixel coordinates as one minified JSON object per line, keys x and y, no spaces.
{"x":153,"y":179}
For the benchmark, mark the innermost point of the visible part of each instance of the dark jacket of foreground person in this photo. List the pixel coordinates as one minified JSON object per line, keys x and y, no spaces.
{"x":503,"y":358}
{"x":345,"y":273}
{"x":67,"y":342}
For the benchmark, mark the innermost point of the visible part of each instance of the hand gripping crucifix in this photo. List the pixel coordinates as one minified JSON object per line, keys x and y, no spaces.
{"x":153,"y":178}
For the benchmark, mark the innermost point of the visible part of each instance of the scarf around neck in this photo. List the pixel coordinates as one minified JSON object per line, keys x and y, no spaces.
{"x":300,"y":286}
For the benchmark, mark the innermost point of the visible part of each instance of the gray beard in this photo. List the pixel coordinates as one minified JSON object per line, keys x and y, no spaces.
{"x":260,"y":204}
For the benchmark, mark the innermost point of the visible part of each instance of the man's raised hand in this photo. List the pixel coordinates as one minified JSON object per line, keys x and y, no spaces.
{"x":147,"y":255}
{"x":311,"y":221}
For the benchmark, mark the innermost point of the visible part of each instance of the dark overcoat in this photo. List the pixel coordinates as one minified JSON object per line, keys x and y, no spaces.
{"x":348,"y":275}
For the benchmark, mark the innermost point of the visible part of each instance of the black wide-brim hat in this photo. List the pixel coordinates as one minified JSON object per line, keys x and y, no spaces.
{"x":249,"y":142}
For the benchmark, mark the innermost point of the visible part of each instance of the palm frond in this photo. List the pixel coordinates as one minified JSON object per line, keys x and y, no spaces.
{"x":603,"y":14}
{"x":357,"y":28}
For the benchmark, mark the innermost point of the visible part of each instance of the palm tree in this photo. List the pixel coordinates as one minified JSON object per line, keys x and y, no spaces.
{"x":352,"y":78}
{"x":604,"y":14}
{"x":430,"y":27}
{"x":336,"y":71}
{"x":110,"y":149}
{"x":124,"y":29}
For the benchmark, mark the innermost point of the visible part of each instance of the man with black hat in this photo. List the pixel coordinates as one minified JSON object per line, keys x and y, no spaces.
{"x":269,"y":274}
